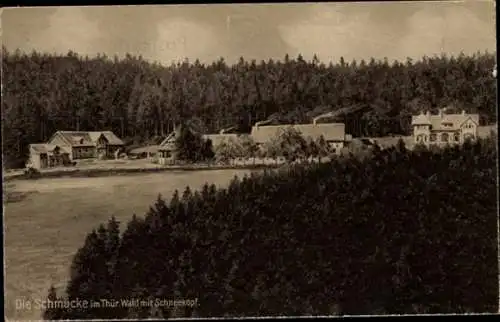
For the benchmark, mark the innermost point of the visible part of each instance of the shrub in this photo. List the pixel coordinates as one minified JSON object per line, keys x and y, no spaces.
{"x":32,"y":173}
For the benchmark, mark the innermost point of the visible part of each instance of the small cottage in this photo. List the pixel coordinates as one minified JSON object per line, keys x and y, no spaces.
{"x":44,"y":155}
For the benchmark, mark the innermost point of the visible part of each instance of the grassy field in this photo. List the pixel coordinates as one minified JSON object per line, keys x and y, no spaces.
{"x":49,"y":219}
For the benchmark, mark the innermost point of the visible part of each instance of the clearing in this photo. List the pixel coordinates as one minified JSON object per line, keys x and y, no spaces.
{"x":49,"y":219}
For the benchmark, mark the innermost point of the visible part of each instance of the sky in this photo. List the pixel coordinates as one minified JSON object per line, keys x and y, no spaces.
{"x":167,"y":33}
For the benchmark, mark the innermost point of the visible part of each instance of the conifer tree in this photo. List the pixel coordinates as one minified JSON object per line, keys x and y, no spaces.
{"x":264,"y":244}
{"x":140,"y":100}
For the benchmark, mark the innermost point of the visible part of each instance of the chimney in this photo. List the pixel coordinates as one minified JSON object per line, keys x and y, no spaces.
{"x":463,"y":112}
{"x":257,"y":124}
{"x":440,"y":112}
{"x":322,"y":116}
{"x":428,"y":114}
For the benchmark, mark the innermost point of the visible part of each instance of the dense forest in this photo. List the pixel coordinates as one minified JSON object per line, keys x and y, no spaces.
{"x":140,"y":100}
{"x":397,"y":232}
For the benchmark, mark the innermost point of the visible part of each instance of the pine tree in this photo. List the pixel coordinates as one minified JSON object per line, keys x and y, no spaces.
{"x":82,"y":93}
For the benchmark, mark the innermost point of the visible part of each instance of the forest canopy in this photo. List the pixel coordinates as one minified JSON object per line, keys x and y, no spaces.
{"x":399,"y":232}
{"x":139,"y":100}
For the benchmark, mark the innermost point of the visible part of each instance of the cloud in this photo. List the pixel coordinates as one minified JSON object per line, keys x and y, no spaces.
{"x":178,"y":38}
{"x":332,"y":31}
{"x":452,"y":30}
{"x":68,"y":29}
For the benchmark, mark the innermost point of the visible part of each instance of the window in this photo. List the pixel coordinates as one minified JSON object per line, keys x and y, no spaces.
{"x":433,"y":137}
{"x":444,"y":137}
{"x":457,"y":137}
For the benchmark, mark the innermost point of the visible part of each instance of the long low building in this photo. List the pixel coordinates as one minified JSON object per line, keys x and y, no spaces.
{"x":333,"y":133}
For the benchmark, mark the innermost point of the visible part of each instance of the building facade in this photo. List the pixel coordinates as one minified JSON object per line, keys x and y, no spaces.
{"x":47,"y":155}
{"x":442,"y":129}
{"x":166,"y":150}
{"x":67,"y":146}
{"x":333,"y":133}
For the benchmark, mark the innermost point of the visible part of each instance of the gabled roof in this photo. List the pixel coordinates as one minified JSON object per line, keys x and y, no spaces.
{"x":75,"y":138}
{"x":420,"y":119}
{"x":330,"y":131}
{"x":88,"y":138}
{"x":169,"y":142}
{"x":110,"y":136}
{"x":439,"y":121}
{"x":45,"y":148}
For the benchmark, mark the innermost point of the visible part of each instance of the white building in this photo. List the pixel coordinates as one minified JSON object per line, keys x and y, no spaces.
{"x":444,"y":128}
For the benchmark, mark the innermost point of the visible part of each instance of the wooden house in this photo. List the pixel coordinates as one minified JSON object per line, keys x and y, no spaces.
{"x":66,"y":146}
{"x":88,"y":145}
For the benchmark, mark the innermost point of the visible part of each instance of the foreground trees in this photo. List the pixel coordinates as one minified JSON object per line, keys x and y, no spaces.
{"x":396,"y":232}
{"x":191,"y":147}
{"x":138,"y":100}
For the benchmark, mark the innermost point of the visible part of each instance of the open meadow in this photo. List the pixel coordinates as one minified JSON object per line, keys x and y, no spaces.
{"x":50,"y":219}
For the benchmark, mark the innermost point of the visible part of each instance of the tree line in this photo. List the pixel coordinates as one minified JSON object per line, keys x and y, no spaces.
{"x":398,"y":232}
{"x":140,"y":100}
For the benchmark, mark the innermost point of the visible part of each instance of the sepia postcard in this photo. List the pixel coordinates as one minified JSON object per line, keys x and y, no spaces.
{"x":250,"y":160}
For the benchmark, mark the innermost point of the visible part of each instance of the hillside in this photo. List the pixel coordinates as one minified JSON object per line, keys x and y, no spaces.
{"x":398,"y":232}
{"x":138,"y":100}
